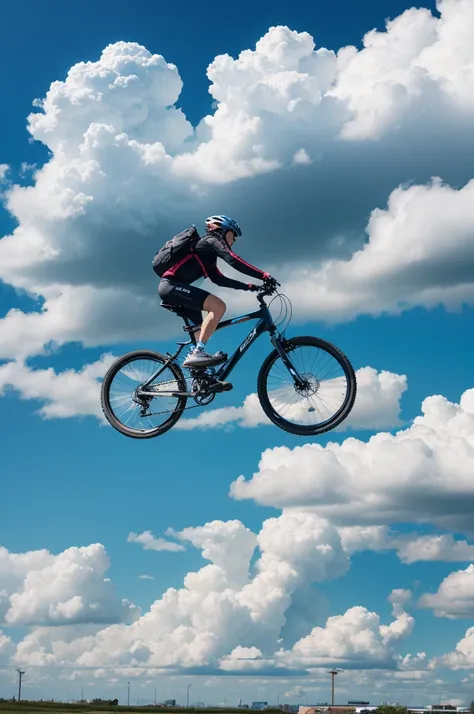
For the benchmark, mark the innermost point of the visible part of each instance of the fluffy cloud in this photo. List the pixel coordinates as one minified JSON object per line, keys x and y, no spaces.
{"x":67,"y":394}
{"x":228,"y":545}
{"x":462,"y":657}
{"x":149,"y":542}
{"x":455,"y":595}
{"x":6,"y":647}
{"x":420,"y":252}
{"x":422,"y":472}
{"x":356,"y":638}
{"x":230,"y":617}
{"x":403,"y":625}
{"x":410,"y":547}
{"x":435,"y":547}
{"x":80,"y":313}
{"x":359,"y":538}
{"x":69,"y":588}
{"x":223,"y":612}
{"x":3,"y":171}
{"x":377,"y":406}
{"x":287,"y":116}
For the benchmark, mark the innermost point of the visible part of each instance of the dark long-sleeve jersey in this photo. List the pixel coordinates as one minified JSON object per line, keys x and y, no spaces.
{"x":203,"y":263}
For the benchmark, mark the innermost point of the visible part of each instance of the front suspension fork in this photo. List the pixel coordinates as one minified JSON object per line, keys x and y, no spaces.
{"x":279,"y":344}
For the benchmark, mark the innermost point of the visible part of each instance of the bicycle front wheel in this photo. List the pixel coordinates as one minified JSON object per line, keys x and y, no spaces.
{"x":329,"y":391}
{"x":135,"y":415}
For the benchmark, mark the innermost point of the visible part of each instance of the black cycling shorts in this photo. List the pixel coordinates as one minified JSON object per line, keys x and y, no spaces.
{"x":189,"y":298}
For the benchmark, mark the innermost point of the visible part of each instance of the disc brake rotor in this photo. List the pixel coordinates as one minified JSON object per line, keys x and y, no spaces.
{"x":311,"y":386}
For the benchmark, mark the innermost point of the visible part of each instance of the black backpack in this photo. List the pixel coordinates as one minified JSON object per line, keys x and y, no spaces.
{"x":175,"y":249}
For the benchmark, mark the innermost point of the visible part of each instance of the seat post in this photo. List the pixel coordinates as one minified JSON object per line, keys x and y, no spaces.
{"x":189,"y":329}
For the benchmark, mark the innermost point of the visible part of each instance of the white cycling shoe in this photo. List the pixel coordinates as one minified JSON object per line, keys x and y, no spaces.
{"x":198,"y":358}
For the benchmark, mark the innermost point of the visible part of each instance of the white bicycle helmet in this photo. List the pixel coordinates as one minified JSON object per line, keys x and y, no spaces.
{"x":225,"y":224}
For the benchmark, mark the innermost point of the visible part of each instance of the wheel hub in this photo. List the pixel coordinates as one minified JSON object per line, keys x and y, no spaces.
{"x":310,"y":386}
{"x":143,"y":402}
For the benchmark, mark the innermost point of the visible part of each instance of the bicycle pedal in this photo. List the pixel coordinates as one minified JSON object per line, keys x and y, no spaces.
{"x":220,"y":387}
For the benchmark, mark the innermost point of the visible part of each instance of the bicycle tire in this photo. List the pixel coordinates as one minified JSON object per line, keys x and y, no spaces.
{"x":105,"y":395}
{"x":342,"y":412}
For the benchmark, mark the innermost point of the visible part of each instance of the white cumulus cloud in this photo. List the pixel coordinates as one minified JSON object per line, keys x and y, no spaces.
{"x":435,"y":547}
{"x":359,"y":538}
{"x":422,"y":472}
{"x":462,"y":657}
{"x":288,"y":116}
{"x":68,"y":588}
{"x":66,"y":394}
{"x":454,"y":597}
{"x":6,"y":647}
{"x":422,"y":229}
{"x":356,"y":638}
{"x":149,"y":542}
{"x":410,"y":547}
{"x":225,"y":611}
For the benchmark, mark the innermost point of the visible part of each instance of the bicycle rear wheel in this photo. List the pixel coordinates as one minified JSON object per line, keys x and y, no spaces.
{"x":327,"y":397}
{"x":122,"y":404}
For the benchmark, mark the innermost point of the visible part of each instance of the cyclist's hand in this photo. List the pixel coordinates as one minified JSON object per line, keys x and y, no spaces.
{"x":270,"y":284}
{"x":253,"y":288}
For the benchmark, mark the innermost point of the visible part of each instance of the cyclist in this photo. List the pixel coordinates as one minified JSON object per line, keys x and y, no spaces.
{"x":176,"y":287}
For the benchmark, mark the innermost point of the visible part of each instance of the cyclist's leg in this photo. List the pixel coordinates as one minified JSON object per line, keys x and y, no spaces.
{"x":215,"y":309}
{"x":194,"y":300}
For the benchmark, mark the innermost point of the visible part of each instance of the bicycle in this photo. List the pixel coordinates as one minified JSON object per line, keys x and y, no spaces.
{"x":299,"y":385}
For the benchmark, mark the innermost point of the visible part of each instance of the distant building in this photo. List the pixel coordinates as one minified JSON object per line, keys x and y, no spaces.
{"x":359,"y":704}
{"x":259,"y":705}
{"x":317,"y":708}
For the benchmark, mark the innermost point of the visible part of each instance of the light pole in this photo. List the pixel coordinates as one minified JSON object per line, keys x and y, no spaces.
{"x":333,"y":673}
{"x":128,"y":697}
{"x":21,"y":673}
{"x":187,"y":695}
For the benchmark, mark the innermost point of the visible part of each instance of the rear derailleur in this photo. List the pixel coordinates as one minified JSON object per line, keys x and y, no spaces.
{"x":143,"y":402}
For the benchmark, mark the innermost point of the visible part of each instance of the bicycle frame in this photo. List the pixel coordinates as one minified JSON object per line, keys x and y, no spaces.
{"x":265,"y":324}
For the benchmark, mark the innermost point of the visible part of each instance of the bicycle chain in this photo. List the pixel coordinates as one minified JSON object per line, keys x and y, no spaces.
{"x":171,"y":411}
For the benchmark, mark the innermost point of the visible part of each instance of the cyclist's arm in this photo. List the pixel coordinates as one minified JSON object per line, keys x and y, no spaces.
{"x":218,"y":278}
{"x":234,"y":261}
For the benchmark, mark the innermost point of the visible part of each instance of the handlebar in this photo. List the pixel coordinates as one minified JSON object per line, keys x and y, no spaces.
{"x":268,"y":288}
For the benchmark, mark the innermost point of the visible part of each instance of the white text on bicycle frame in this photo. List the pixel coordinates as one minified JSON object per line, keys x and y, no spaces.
{"x":248,"y":339}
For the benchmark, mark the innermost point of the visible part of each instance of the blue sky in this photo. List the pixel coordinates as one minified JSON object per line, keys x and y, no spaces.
{"x":402,"y":308}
